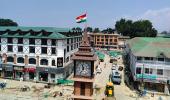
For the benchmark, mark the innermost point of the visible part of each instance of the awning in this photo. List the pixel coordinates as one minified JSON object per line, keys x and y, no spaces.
{"x":29,"y":70}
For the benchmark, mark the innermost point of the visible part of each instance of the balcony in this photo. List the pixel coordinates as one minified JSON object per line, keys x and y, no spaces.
{"x":153,"y":62}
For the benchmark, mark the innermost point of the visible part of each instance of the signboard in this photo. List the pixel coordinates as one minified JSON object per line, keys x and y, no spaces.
{"x":144,"y":76}
{"x":60,"y":62}
{"x":19,"y":68}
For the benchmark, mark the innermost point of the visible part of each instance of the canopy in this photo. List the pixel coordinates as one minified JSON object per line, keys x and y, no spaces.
{"x":100,"y":55}
{"x":64,"y":81}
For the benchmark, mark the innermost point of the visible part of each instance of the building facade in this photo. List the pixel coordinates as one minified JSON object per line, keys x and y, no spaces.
{"x":37,"y":53}
{"x":149,"y":60}
{"x":104,"y":40}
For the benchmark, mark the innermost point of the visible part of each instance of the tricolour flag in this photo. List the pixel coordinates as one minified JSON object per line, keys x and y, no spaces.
{"x":81,"y":18}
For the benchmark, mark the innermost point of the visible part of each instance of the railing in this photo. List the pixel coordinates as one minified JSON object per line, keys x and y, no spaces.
{"x":153,"y":62}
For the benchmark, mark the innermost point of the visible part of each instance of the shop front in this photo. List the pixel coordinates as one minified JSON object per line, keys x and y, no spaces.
{"x":30,"y":73}
{"x":18,"y":72}
{"x":48,"y":74}
{"x":7,"y":71}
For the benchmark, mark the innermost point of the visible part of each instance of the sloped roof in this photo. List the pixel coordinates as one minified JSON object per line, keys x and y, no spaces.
{"x":150,"y":47}
{"x":55,"y":33}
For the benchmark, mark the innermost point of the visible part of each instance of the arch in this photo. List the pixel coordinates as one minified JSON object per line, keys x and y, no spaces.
{"x":10,"y":59}
{"x":20,"y":60}
{"x":32,"y":61}
{"x":43,"y":62}
{"x":53,"y":62}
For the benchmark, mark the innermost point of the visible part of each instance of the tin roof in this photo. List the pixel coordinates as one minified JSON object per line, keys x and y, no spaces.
{"x":150,"y":47}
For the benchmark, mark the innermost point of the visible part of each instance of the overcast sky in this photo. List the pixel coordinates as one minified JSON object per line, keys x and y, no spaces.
{"x":100,"y":13}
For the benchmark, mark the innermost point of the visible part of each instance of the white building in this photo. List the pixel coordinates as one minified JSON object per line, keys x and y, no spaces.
{"x":41,"y":53}
{"x":150,"y":62}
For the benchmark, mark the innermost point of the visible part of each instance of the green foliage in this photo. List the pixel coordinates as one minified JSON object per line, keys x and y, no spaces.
{"x":89,"y":29}
{"x":77,"y":29}
{"x":7,"y":22}
{"x":108,"y":30}
{"x":96,"y":30}
{"x":140,"y":28}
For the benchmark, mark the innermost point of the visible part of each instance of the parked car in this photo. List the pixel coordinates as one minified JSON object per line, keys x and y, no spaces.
{"x":98,"y":70}
{"x":116,"y":77}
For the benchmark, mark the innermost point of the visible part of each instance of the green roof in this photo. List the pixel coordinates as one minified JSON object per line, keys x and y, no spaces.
{"x":114,"y":53}
{"x":100,"y":55}
{"x":55,"y":33}
{"x":150,"y":47}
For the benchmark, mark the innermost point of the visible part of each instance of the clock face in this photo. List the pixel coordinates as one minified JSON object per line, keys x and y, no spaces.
{"x":83,"y":68}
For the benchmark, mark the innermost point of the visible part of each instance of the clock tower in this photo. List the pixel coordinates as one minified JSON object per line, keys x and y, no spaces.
{"x":84,"y":66}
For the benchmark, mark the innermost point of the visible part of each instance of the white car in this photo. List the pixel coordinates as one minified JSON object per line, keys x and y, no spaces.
{"x":98,"y":70}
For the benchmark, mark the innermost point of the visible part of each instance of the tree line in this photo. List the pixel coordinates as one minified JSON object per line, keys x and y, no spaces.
{"x":125,"y":27}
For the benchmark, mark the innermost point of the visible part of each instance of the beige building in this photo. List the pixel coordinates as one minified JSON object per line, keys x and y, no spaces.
{"x":107,"y":41}
{"x":104,"y":40}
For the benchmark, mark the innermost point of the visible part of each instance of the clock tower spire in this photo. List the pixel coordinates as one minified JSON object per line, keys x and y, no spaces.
{"x":84,"y":60}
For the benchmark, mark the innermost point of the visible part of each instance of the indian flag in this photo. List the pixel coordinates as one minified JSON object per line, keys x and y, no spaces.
{"x":81,"y":18}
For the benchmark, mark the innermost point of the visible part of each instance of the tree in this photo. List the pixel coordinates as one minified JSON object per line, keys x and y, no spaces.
{"x":124,"y":27}
{"x":96,"y":30}
{"x":77,"y":29}
{"x":140,"y":28}
{"x":89,"y":29}
{"x":7,"y":22}
{"x":108,"y":30}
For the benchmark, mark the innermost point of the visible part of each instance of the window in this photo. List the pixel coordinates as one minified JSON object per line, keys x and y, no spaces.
{"x":71,"y":40}
{"x":52,"y":75}
{"x":67,"y":48}
{"x":20,"y":40}
{"x":146,"y":70}
{"x":159,"y":71}
{"x":139,"y":58}
{"x":71,"y":47}
{"x":44,"y":50}
{"x":150,"y":71}
{"x":115,"y":40}
{"x":32,"y":41}
{"x":0,"y":40}
{"x":44,"y":62}
{"x":102,"y":39}
{"x":10,"y":48}
{"x":43,"y":41}
{"x":138,"y":70}
{"x":9,"y":40}
{"x":160,"y":59}
{"x":67,"y":41}
{"x":53,"y":50}
{"x":20,"y":60}
{"x":53,"y":62}
{"x":20,"y":48}
{"x":32,"y":49}
{"x":0,"y":47}
{"x":32,"y":61}
{"x":110,"y":40}
{"x":53,"y":42}
{"x":97,"y":39}
{"x":147,"y":58}
{"x":10,"y":59}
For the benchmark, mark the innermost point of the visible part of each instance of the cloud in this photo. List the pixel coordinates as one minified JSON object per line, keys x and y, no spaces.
{"x":160,"y":18}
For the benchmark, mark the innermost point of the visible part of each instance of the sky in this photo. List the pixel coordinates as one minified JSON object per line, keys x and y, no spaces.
{"x":100,"y":13}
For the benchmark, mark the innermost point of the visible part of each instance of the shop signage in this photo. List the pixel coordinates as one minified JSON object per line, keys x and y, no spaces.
{"x":19,"y":68}
{"x":29,"y":70}
{"x":50,"y":70}
{"x":60,"y":62}
{"x":144,"y":76}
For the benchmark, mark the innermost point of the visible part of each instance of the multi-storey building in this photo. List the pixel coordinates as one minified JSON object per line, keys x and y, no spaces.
{"x":37,"y":53}
{"x":104,"y":40}
{"x":150,"y":62}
